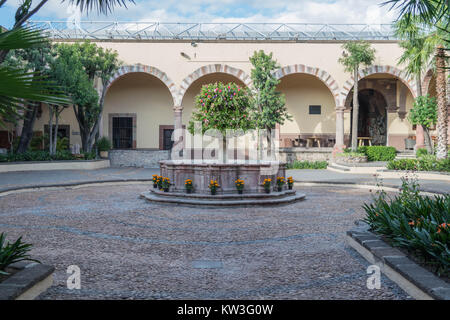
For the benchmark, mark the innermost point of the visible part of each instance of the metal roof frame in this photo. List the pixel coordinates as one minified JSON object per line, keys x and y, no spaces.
{"x":122,"y":30}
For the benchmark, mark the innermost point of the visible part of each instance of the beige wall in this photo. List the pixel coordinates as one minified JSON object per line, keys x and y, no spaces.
{"x":302,"y":90}
{"x":151,"y":100}
{"x":146,"y":96}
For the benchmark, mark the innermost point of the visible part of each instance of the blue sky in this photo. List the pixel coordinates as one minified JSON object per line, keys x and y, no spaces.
{"x":325,"y":11}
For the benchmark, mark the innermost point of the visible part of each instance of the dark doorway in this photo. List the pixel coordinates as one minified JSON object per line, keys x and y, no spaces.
{"x":372,"y":117}
{"x":122,"y":128}
{"x":167,"y":139}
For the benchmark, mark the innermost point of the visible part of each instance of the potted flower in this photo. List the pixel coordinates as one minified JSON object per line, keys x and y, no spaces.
{"x":280,"y":183}
{"x":159,"y":182}
{"x":267,"y":183}
{"x":290,"y":182}
{"x":155,"y":180}
{"x":165,"y":184}
{"x":240,"y":185}
{"x":213,"y":186}
{"x":103,"y":146}
{"x":188,"y":185}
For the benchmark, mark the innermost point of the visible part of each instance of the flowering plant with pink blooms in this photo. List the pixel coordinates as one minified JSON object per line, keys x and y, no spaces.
{"x":222,"y":106}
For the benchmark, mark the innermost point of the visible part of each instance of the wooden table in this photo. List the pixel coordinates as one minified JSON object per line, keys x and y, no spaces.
{"x":311,"y":140}
{"x":362,"y":139}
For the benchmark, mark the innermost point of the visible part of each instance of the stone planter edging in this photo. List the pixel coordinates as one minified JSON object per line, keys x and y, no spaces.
{"x":418,"y":282}
{"x":30,"y":281}
{"x":54,"y":165}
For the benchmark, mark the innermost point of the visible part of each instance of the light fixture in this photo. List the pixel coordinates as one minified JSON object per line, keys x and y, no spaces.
{"x":194,"y":44}
{"x":184,"y":55}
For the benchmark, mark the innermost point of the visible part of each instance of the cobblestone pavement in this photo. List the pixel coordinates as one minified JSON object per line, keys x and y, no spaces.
{"x":128,"y":248}
{"x":32,"y":178}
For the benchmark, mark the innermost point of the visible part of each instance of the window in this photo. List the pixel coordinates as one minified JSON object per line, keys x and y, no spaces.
{"x":314,"y":110}
{"x":122,"y":128}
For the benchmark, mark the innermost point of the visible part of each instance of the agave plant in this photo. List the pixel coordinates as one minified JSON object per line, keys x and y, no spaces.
{"x":13,"y":252}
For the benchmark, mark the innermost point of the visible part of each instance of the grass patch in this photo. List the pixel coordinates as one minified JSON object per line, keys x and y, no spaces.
{"x":307,"y":165}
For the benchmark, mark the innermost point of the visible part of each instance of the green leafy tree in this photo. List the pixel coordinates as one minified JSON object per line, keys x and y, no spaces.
{"x":355,"y":55}
{"x":424,"y":113}
{"x":222,"y":107}
{"x":77,"y":69}
{"x":35,"y":60}
{"x":269,"y":104}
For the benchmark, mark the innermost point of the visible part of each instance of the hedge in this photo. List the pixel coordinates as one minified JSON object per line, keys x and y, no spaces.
{"x":42,"y":156}
{"x":424,"y":163}
{"x":307,"y":165}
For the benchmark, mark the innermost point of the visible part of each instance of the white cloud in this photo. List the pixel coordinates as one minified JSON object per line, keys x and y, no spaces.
{"x":288,"y":11}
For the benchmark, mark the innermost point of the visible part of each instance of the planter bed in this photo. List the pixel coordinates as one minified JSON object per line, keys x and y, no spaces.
{"x":398,"y":266}
{"x":54,"y":165}
{"x":26,"y":282}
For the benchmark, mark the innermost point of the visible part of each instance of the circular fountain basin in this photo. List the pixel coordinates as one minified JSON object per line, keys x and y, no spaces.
{"x":201,"y":173}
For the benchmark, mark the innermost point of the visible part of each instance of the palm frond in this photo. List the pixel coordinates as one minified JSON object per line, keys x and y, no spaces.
{"x":21,"y":38}
{"x":100,"y":6}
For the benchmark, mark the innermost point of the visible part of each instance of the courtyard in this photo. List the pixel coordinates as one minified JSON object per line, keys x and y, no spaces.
{"x":127,"y":248}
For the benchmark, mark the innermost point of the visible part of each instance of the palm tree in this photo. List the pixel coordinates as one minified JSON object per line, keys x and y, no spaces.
{"x":418,"y":51}
{"x":432,"y":14}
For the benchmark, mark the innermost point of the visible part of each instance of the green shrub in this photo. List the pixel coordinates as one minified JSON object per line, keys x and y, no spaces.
{"x":380,"y":153}
{"x":424,"y":163}
{"x":13,"y":252}
{"x":36,"y":156}
{"x":414,"y":222}
{"x":376,"y":153}
{"x":421,"y":152}
{"x":103,"y":144}
{"x":308,"y":165}
{"x":90,"y":155}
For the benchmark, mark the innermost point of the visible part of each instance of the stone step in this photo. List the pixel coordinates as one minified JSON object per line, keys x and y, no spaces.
{"x":238,"y":201}
{"x":337,"y":168}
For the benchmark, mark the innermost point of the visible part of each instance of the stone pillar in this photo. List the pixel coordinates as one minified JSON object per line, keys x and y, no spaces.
{"x":178,"y":134}
{"x":339,"y":146}
{"x":339,"y":127}
{"x":420,"y":138}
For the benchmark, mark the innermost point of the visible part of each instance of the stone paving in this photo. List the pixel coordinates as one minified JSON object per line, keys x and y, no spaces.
{"x":128,"y":248}
{"x":22,"y":179}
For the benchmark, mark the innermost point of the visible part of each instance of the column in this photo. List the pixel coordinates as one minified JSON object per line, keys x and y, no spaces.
{"x":420,"y":138}
{"x":178,"y":133}
{"x":339,"y":128}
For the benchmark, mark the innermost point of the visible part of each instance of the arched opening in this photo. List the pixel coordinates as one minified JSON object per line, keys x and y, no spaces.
{"x":138,"y":111}
{"x":312,"y":107}
{"x":194,"y":89}
{"x":372,"y":117}
{"x":391,"y":94}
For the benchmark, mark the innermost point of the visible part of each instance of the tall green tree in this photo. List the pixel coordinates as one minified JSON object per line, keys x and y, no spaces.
{"x":424,"y":113}
{"x":355,"y":55}
{"x":269,"y":104}
{"x":35,"y":60}
{"x":78,"y":67}
{"x":222,"y":107}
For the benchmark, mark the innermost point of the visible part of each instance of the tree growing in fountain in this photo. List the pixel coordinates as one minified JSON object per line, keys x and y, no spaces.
{"x":356,"y":54}
{"x":269,"y":104}
{"x":222,"y":107}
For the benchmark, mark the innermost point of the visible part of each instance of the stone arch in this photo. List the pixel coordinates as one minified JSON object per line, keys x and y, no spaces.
{"x":322,"y":75}
{"x":209,"y":69}
{"x":426,"y":81}
{"x":401,"y":75}
{"x":149,"y":70}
